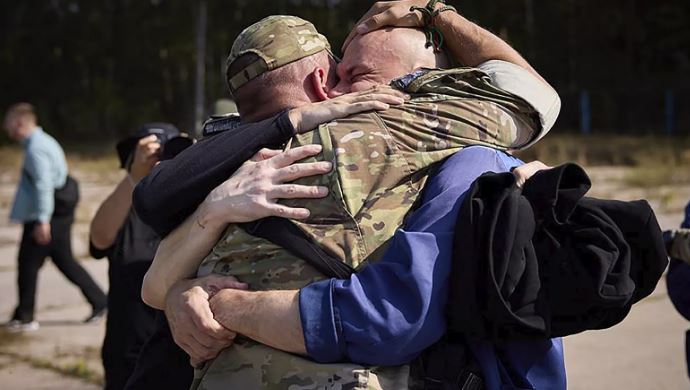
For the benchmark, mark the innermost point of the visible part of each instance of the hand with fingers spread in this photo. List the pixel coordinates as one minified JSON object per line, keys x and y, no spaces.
{"x":379,"y":98}
{"x":145,"y":157}
{"x":389,"y":13}
{"x":191,"y":321}
{"x":252,"y":192}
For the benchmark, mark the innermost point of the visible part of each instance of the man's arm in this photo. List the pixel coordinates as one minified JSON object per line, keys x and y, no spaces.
{"x":473,"y":46}
{"x":390,"y":311}
{"x":113,"y":211}
{"x":249,"y":194}
{"x":37,"y":165}
{"x":175,"y":188}
{"x":178,"y":257}
{"x":111,"y":215}
{"x":269,"y":317}
{"x":468,"y":43}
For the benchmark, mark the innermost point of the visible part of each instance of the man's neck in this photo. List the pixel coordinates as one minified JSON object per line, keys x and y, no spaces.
{"x":257,"y":105}
{"x":27,"y":133}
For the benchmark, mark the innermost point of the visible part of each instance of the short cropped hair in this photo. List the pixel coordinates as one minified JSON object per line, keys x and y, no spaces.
{"x":21,"y":109}
{"x":283,"y":82}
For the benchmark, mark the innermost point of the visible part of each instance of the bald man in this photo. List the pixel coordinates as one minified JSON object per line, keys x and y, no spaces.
{"x":415,"y":144}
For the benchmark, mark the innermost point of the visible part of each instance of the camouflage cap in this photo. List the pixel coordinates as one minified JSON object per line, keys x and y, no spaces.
{"x":278,"y":40}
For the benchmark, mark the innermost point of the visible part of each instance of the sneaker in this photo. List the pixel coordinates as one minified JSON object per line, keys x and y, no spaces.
{"x":96,"y":315}
{"x":16,"y":326}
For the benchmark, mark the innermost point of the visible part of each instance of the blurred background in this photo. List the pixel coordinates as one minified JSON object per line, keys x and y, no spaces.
{"x":97,"y":69}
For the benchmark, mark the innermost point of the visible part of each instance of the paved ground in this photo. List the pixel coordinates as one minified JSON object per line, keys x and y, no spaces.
{"x":644,"y":352}
{"x":64,"y":353}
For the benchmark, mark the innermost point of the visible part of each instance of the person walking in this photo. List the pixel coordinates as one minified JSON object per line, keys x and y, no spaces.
{"x":45,"y":202}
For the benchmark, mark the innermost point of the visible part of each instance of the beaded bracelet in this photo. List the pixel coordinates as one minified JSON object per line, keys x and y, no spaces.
{"x":434,"y":37}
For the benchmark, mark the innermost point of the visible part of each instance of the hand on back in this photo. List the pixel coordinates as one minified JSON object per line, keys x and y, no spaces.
{"x":378,"y":98}
{"x":254,"y":190}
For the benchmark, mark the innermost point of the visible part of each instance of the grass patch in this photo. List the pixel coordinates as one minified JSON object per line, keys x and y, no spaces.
{"x":611,"y":150}
{"x":10,"y":158}
{"x":7,"y":338}
{"x":650,"y":176}
{"x":656,"y":160}
{"x":651,"y":161}
{"x":75,"y":368}
{"x":78,"y":369}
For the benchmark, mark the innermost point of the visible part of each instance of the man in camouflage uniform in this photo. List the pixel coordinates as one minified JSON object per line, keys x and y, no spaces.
{"x":381,"y":163}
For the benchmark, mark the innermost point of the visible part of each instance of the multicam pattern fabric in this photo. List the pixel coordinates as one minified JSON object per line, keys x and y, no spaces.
{"x":249,"y":365}
{"x":278,"y":40}
{"x":381,"y":163}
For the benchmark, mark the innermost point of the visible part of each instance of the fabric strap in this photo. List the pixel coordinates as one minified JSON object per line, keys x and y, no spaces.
{"x":251,"y":71}
{"x":296,"y":241}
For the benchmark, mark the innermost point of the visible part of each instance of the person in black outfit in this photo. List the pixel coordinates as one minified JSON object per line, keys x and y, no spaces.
{"x":130,"y":245}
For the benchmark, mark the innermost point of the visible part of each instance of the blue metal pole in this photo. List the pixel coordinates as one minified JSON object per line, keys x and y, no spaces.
{"x":585,"y":113}
{"x":669,"y":100}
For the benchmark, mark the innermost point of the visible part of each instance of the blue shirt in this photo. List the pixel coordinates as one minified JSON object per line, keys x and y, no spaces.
{"x":44,"y":170}
{"x":393,"y":309}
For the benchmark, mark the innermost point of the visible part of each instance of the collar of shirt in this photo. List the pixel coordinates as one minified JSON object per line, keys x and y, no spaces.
{"x":26,"y":141}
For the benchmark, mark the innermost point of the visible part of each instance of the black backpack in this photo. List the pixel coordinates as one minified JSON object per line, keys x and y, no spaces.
{"x":66,"y":198}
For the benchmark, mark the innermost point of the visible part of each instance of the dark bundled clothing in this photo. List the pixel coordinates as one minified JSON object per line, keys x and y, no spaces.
{"x":161,"y":364}
{"x":166,"y":197}
{"x":546,"y":261}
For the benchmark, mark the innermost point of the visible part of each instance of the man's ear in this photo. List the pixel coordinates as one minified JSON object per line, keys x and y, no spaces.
{"x":319,"y":84}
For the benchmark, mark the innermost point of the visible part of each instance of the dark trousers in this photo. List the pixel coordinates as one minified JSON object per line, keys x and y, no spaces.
{"x":130,"y":323}
{"x":162,"y":364}
{"x":32,"y":257}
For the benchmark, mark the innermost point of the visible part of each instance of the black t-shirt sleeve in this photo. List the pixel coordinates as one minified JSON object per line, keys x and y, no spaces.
{"x":175,"y":188}
{"x":99,"y":253}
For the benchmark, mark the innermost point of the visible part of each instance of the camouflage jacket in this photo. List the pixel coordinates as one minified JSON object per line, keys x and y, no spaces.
{"x":381,"y":162}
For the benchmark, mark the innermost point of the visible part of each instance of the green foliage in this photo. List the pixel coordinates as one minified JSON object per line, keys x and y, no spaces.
{"x":98,"y":69}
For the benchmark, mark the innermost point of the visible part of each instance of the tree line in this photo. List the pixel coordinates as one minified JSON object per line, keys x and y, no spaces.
{"x":97,"y":69}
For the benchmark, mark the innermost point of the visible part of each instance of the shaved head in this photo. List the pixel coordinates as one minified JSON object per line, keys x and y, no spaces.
{"x":383,"y":55}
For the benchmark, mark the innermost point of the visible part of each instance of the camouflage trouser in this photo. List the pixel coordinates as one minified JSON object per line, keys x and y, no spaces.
{"x":280,"y":370}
